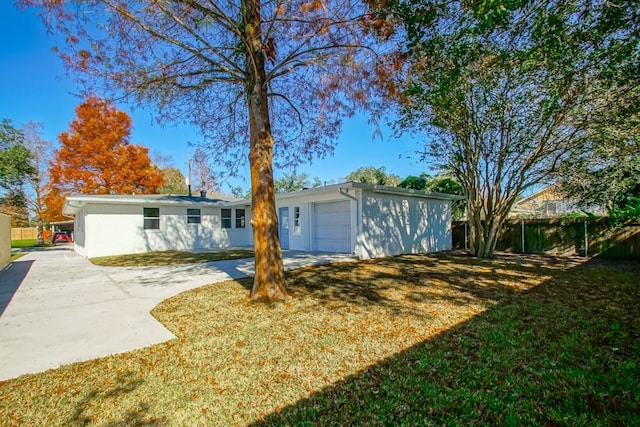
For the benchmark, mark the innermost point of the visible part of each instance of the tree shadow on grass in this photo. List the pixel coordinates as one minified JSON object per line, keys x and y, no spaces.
{"x":565,"y":352}
{"x":395,"y":282}
{"x":125,"y":384}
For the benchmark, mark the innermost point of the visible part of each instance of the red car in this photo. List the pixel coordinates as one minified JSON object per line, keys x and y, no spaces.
{"x":61,"y":237}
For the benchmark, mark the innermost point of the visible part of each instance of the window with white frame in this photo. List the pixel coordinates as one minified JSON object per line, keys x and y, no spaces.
{"x":151,"y":218}
{"x":226,"y":218}
{"x":193,"y":216}
{"x":296,"y":220}
{"x":240,"y":218}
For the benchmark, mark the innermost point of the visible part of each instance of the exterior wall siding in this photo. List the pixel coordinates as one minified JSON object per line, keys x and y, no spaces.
{"x":379,"y":224}
{"x":118,"y":229}
{"x":393,"y":225}
{"x":304,"y":240}
{"x":79,"y":233}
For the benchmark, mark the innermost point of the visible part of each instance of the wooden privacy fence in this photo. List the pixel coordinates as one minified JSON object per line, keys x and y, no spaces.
{"x":24,"y":233}
{"x":29,"y":233}
{"x":562,"y":237}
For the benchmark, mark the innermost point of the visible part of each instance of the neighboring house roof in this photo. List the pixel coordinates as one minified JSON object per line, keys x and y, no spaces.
{"x":74,"y":204}
{"x":549,"y":202}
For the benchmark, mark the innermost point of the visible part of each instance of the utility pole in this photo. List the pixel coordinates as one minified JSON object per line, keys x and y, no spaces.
{"x":189,"y":175}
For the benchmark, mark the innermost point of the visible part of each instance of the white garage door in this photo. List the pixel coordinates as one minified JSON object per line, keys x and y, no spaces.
{"x":332,"y":227}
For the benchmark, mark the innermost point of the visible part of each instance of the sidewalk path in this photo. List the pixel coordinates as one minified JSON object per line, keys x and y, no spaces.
{"x":57,"y":308}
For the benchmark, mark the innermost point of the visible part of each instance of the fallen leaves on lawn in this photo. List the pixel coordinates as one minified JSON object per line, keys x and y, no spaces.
{"x":235,"y":362}
{"x":171,"y":258}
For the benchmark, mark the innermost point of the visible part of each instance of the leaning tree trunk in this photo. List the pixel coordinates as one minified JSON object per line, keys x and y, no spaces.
{"x":490,"y":238}
{"x":268,"y":283}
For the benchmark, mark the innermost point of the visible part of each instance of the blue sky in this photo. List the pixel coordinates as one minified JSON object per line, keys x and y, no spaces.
{"x":34,"y":86}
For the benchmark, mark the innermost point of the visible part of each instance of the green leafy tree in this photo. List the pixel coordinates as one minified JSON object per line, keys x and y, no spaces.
{"x":373,"y":175}
{"x":16,"y":168}
{"x":293,"y":181}
{"x":416,"y":182}
{"x":440,"y":184}
{"x":607,"y":172}
{"x":448,"y":185}
{"x":173,"y":181}
{"x":239,"y":193}
{"x":505,"y":90}
{"x":15,"y":159}
{"x":14,"y":204}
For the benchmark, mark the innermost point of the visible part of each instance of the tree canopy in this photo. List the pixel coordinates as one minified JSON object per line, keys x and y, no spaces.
{"x":607,"y":172}
{"x":271,"y":80}
{"x":203,"y":176}
{"x":16,"y":169}
{"x":96,"y":157}
{"x":173,"y":182}
{"x":439,"y":184}
{"x":373,"y":175}
{"x":416,"y":182}
{"x":294,"y":181}
{"x":505,"y":90}
{"x":36,"y":184}
{"x":15,"y":159}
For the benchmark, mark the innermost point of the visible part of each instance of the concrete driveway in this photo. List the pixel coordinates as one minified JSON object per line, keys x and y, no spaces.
{"x":57,"y":308}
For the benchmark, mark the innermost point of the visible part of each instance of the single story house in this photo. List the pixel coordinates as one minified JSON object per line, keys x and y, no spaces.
{"x":365,"y":220}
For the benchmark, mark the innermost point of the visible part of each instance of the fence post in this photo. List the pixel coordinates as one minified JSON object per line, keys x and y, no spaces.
{"x":522,"y":231}
{"x":586,"y":238}
{"x":466,"y":225}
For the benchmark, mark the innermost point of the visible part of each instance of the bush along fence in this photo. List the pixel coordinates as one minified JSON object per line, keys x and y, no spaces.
{"x":562,"y":237}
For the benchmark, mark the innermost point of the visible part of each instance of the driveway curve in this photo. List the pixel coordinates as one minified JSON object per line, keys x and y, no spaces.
{"x":58,"y":308}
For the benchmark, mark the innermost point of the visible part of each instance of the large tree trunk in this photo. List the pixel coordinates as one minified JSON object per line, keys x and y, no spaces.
{"x":40,"y":229}
{"x":268,"y":283}
{"x":483,"y":232}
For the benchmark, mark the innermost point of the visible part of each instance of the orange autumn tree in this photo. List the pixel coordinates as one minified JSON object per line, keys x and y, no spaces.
{"x":96,"y":157}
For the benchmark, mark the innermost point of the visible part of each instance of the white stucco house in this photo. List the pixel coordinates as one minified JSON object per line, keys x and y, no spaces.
{"x":365,"y":220}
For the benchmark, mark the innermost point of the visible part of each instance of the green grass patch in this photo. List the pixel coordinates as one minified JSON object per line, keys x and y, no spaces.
{"x":410,"y":340}
{"x":170,"y":258}
{"x":16,"y":255}
{"x":24,"y":243}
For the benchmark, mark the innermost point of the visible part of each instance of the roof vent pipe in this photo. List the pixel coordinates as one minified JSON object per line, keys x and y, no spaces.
{"x":203,"y":193}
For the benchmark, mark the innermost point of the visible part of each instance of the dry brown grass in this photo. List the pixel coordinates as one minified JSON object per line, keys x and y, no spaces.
{"x":235,"y":362}
{"x":170,"y":258}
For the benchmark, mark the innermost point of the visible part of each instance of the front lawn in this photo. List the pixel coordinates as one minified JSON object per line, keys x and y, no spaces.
{"x":170,"y":258}
{"x":413,"y":340}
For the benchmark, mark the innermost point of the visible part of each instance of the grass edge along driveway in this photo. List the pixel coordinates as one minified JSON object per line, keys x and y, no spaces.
{"x":162,"y":258}
{"x":413,"y":340}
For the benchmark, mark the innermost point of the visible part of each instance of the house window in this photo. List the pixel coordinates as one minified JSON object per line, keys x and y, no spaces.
{"x":226,"y":218}
{"x":240,"y":218}
{"x":296,"y":220}
{"x":193,"y":216}
{"x":151,"y":218}
{"x":551,"y":208}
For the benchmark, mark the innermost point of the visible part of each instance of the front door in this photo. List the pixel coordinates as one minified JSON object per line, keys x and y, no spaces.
{"x":283,"y":220}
